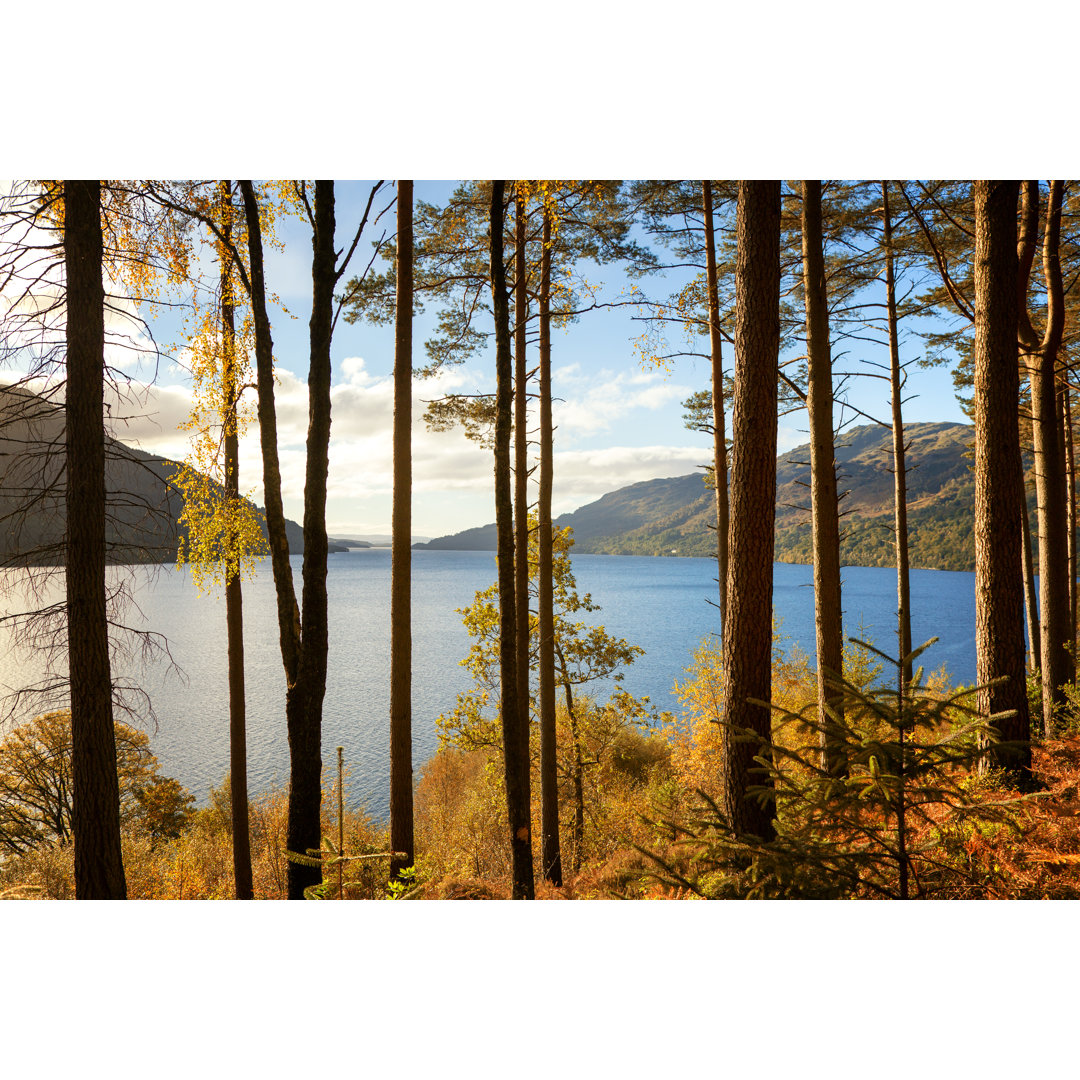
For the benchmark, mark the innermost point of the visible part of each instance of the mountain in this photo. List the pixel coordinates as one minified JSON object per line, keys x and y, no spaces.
{"x":142,"y":504}
{"x":674,"y":516}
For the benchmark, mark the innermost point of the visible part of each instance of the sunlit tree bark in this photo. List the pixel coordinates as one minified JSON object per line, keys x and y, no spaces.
{"x":999,"y":601}
{"x":515,"y":740}
{"x":401,"y":772}
{"x":747,"y":648}
{"x":828,"y":616}
{"x":549,"y":790}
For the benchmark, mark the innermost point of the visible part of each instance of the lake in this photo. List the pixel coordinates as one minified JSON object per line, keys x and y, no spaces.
{"x":661,"y":604}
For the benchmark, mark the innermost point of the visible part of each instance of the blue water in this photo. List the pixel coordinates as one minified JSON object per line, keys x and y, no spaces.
{"x":661,"y":604}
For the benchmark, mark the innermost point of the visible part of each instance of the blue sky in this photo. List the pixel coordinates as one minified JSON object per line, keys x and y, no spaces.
{"x":617,"y":423}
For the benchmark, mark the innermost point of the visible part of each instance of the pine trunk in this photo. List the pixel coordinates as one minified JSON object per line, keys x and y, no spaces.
{"x":747,"y":648}
{"x":1031,"y":602}
{"x":896,"y":384}
{"x":579,"y":766}
{"x":515,"y":740}
{"x":301,"y":748}
{"x":521,"y":460}
{"x":234,"y":596}
{"x":720,"y":468}
{"x":99,"y":867}
{"x":999,"y":600}
{"x":305,"y":720}
{"x":1070,"y":495}
{"x":1041,"y":359}
{"x":549,"y":783}
{"x":401,"y":771}
{"x":828,"y":616}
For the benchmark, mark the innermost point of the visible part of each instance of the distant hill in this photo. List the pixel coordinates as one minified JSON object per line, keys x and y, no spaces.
{"x":142,"y":504}
{"x":674,"y":516}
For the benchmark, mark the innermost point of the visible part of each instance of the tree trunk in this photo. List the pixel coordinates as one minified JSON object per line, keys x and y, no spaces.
{"x":720,"y":475}
{"x":549,"y":786}
{"x":521,"y":460}
{"x":579,"y":767}
{"x":747,"y":648}
{"x":1041,"y":358}
{"x":515,"y":740}
{"x":287,"y":611}
{"x":828,"y":616}
{"x":1031,"y":602}
{"x":234,"y":598}
{"x":1070,"y":495}
{"x":999,"y":628}
{"x":305,"y":718}
{"x":401,"y":772}
{"x":896,"y":384}
{"x":99,"y":867}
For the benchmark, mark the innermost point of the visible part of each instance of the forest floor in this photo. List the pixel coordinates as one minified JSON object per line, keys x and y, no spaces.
{"x":1039,"y":860}
{"x":1044,"y":861}
{"x":1035,"y":856}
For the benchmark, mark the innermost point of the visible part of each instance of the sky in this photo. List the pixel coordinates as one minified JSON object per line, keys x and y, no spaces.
{"x":617,"y":421}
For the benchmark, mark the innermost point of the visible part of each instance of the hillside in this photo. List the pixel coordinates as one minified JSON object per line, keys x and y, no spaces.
{"x":142,"y":504}
{"x":674,"y":516}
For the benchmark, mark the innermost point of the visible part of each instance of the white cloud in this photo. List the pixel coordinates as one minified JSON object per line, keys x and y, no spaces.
{"x":608,"y":398}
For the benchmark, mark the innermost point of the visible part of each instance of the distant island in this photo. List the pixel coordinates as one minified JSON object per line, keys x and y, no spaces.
{"x":675,"y":516}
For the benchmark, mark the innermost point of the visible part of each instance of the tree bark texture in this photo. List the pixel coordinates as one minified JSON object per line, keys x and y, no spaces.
{"x":999,"y":597}
{"x":1070,"y":495}
{"x":1040,"y":355}
{"x":828,"y":616}
{"x":99,"y":867}
{"x":578,"y":771}
{"x":401,"y":771}
{"x":747,"y":648}
{"x":896,"y":385}
{"x":720,"y":467}
{"x":1031,"y":601}
{"x":521,"y":471}
{"x":549,"y":779}
{"x":304,"y":700}
{"x":234,"y":597}
{"x":515,"y":740}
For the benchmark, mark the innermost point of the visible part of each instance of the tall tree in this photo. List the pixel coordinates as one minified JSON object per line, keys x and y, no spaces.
{"x":99,"y":867}
{"x":545,"y":597}
{"x":515,"y":738}
{"x":223,"y":530}
{"x":999,"y":601}
{"x":949,"y":245}
{"x":401,"y":778}
{"x":747,"y":648}
{"x":828,"y":616}
{"x":1040,"y":353}
{"x":719,"y":433}
{"x":234,"y":600}
{"x":521,"y":474}
{"x":302,"y":629}
{"x":903,"y":577}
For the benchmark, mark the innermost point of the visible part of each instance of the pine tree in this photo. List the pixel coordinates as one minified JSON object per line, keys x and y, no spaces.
{"x":515,"y":739}
{"x":99,"y":867}
{"x":999,"y":645}
{"x":401,"y":773}
{"x":748,"y":645}
{"x":828,"y":615}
